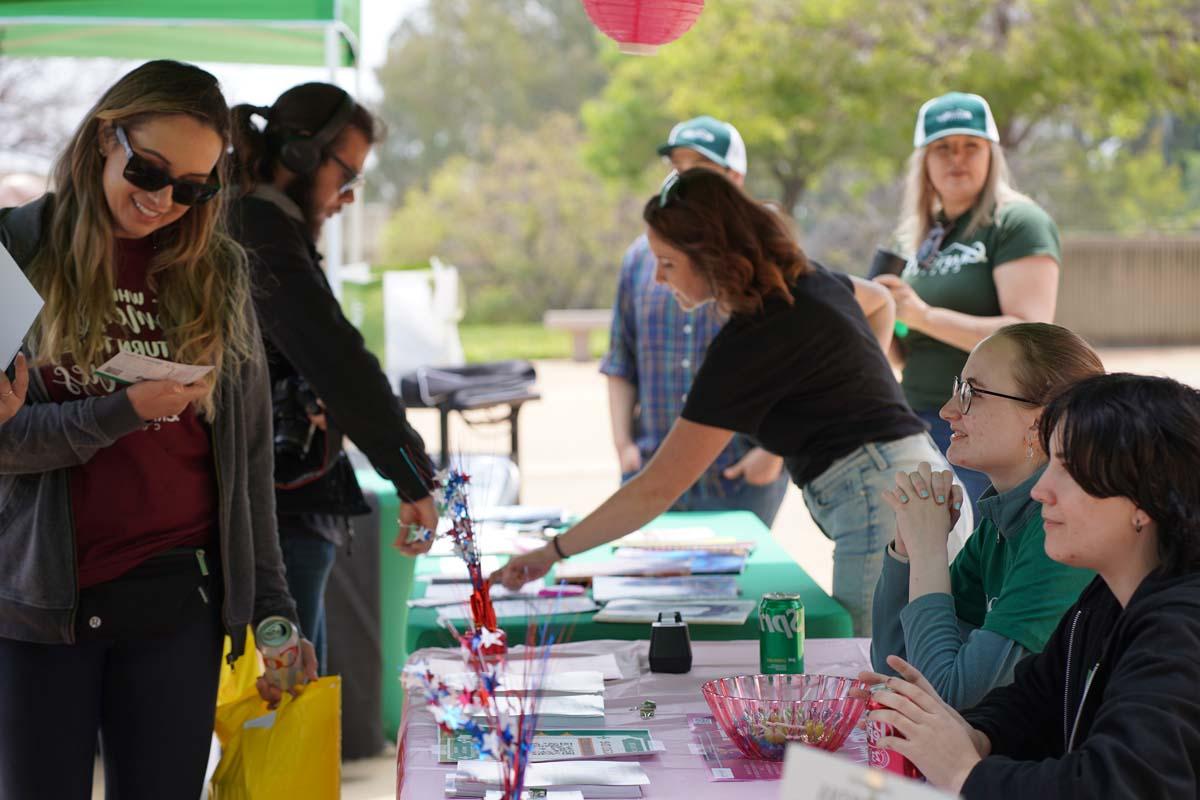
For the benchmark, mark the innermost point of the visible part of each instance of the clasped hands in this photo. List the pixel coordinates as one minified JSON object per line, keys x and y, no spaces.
{"x":927,"y":505}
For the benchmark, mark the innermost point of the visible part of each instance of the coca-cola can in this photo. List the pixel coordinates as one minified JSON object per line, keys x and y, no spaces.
{"x":887,"y":760}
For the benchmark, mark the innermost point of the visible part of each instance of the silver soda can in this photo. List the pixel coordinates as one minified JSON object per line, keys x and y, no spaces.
{"x":278,"y":640}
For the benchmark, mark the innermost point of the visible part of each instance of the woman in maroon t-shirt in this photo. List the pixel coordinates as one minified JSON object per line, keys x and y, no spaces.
{"x":146,"y":499}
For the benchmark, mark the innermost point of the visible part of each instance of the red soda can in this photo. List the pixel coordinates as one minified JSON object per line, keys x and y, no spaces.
{"x":887,"y":760}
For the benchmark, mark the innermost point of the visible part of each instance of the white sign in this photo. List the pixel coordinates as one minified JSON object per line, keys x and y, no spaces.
{"x":812,"y":774}
{"x":19,"y":307}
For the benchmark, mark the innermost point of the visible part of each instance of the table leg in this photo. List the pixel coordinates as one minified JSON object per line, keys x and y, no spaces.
{"x":444,"y":434}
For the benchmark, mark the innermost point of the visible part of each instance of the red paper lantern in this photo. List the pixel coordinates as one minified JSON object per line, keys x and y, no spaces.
{"x":639,"y":27}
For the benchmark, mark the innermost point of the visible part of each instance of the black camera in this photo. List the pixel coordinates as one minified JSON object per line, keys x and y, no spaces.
{"x":294,"y":401}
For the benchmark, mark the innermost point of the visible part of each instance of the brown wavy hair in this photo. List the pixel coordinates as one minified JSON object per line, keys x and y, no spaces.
{"x":198,"y":272}
{"x":746,"y":250}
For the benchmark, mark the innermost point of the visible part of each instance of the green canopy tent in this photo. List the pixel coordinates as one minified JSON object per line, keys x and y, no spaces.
{"x":316,"y":33}
{"x":295,"y":32}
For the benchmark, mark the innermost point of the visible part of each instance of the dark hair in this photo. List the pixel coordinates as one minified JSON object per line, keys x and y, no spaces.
{"x":303,"y":108}
{"x":745,"y":250}
{"x":1136,"y":437}
{"x":1050,"y":358}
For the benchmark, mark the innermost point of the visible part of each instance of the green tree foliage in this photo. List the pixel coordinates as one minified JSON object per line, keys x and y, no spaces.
{"x":459,"y":69}
{"x":530,"y":228}
{"x":817,"y":84}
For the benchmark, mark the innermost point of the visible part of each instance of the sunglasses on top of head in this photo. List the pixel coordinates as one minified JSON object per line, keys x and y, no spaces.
{"x":144,"y":175}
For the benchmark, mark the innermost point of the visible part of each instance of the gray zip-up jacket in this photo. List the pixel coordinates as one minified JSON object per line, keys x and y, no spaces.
{"x":39,"y":590}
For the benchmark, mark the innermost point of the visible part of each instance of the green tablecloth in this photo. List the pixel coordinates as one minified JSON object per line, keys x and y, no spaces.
{"x":769,"y":569}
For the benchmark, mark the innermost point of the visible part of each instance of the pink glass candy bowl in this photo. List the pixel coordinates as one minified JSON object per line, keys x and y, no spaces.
{"x":762,"y":713}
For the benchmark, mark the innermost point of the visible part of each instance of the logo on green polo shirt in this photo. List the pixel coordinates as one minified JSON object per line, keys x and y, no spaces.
{"x":951,"y":260}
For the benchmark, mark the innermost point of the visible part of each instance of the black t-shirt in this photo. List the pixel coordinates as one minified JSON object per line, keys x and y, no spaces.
{"x":806,"y":381}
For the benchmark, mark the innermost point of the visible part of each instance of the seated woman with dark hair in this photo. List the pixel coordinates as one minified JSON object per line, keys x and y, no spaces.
{"x":1111,"y":707}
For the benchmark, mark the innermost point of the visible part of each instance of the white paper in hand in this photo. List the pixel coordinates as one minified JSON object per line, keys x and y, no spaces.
{"x":129,"y":367}
{"x":19,"y":307}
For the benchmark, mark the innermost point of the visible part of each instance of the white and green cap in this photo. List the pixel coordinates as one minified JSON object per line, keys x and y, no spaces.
{"x":955,"y":113}
{"x":717,"y":141}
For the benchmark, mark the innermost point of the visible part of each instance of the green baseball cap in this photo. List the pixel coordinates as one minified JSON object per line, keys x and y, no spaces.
{"x":717,"y":141}
{"x":955,"y":113}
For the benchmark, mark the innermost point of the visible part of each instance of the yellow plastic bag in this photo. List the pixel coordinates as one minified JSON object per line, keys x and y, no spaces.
{"x":294,"y":751}
{"x":238,"y":682}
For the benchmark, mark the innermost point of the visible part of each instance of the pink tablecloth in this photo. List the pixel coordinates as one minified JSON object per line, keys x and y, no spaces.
{"x":677,"y":773}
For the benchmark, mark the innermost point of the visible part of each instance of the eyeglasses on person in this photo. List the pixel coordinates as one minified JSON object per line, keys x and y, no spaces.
{"x":965,"y":393}
{"x":145,"y":175}
{"x":354,"y":180}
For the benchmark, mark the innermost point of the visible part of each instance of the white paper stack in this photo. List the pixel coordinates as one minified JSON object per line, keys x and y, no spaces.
{"x":520,"y":683}
{"x":499,"y":795}
{"x":565,"y":711}
{"x":594,"y":779}
{"x":605,"y":663}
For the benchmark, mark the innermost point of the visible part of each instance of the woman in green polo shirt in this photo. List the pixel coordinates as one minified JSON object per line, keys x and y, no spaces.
{"x":981,"y":254}
{"x":965,"y":625}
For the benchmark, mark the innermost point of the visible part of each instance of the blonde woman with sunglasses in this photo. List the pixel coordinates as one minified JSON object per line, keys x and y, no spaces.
{"x":137,"y":522}
{"x":981,"y":255}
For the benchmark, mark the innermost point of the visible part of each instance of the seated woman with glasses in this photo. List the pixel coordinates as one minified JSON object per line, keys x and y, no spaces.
{"x":1109,"y":708}
{"x":966,"y":624}
{"x":981,"y":255}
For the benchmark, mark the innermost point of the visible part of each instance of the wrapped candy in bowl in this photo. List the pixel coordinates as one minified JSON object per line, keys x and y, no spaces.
{"x":761,"y":714}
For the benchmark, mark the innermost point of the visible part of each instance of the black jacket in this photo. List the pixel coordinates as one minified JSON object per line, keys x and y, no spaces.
{"x":307,"y":334}
{"x":1135,"y":734}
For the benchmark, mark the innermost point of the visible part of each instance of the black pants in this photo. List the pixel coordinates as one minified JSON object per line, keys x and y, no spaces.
{"x":150,"y":695}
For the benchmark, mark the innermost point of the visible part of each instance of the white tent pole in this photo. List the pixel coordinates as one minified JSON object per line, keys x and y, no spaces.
{"x":333,"y":228}
{"x":356,"y":214}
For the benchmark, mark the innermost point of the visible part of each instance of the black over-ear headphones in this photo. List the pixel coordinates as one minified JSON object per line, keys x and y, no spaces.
{"x":302,"y":152}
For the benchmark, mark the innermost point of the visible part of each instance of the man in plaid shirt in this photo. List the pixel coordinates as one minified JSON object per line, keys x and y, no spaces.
{"x":656,"y":348}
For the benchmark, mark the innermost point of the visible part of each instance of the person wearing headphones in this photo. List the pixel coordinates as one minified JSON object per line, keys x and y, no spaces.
{"x":297,"y":171}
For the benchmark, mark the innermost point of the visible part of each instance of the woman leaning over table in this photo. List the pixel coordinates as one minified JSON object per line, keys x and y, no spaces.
{"x":1110,"y":707}
{"x":798,"y":367}
{"x":982,"y":255}
{"x":966,"y":624}
{"x":137,"y":523}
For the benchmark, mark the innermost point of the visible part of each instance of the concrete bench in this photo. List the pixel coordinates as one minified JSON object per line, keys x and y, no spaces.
{"x":579,"y":322}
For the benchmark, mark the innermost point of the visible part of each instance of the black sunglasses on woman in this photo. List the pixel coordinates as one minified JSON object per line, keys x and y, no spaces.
{"x":144,"y":175}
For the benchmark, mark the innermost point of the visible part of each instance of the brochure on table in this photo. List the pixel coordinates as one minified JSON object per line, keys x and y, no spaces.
{"x":692,"y":587}
{"x":812,"y":774}
{"x":694,"y":612}
{"x":560,"y":745}
{"x":561,"y":711}
{"x":19,"y":307}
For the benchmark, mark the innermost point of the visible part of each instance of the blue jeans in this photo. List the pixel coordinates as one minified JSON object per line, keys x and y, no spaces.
{"x":973,"y":482}
{"x":763,"y":501}
{"x":308,"y":558}
{"x":845,"y":501}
